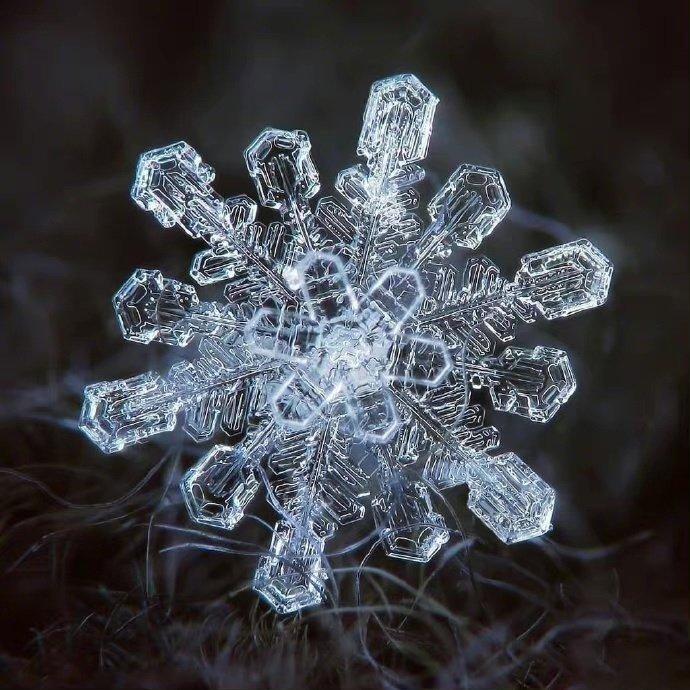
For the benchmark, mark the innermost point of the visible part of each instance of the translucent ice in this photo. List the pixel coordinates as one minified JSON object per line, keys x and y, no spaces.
{"x":469,"y":206}
{"x":341,"y":365}
{"x":292,"y":576}
{"x":410,"y":529}
{"x":219,"y":488}
{"x":510,"y":499}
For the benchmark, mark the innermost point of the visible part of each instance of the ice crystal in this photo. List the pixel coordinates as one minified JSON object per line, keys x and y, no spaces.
{"x":342,"y":364}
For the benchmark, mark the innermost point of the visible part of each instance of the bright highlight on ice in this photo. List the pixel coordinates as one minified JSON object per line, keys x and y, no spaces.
{"x":342,"y":365}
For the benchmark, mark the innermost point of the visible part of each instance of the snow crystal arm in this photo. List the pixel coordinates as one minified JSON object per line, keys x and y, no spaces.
{"x":397,"y":127}
{"x":315,"y":487}
{"x":409,"y":527}
{"x":394,"y":137}
{"x":441,"y":467}
{"x":175,"y":185}
{"x":510,"y":498}
{"x":532,"y":383}
{"x":285,"y":176}
{"x":217,"y":388}
{"x":292,"y":575}
{"x":447,"y":407}
{"x":563,"y":280}
{"x":314,"y":481}
{"x":464,"y":211}
{"x":117,"y":414}
{"x":151,"y":308}
{"x":555,"y":283}
{"x":505,"y":494}
{"x":218,"y":489}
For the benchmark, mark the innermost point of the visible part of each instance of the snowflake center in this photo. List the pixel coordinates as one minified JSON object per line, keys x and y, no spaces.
{"x":346,"y":347}
{"x":353,"y":355}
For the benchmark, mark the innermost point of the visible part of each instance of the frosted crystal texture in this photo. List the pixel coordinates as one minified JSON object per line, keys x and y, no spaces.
{"x":341,"y":365}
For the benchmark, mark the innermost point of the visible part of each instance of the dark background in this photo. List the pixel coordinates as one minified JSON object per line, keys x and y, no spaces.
{"x":582,"y":106}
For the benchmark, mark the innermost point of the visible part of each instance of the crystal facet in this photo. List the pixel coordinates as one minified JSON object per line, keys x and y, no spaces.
{"x":410,"y":529}
{"x":150,"y":307}
{"x":510,"y":499}
{"x":282,"y":168}
{"x":218,"y":489}
{"x":470,"y":205}
{"x":530,"y":383}
{"x":342,"y":363}
{"x":564,"y":280}
{"x":291,"y":577}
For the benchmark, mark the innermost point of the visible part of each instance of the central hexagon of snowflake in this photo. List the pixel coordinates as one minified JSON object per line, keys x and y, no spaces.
{"x":344,"y":348}
{"x":347,"y":347}
{"x":354,"y":352}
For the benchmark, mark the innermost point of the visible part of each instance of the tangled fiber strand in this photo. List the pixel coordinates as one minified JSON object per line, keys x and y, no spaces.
{"x":129,"y":602}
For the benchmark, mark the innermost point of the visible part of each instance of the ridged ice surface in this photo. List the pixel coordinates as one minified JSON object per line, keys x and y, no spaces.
{"x":345,"y":334}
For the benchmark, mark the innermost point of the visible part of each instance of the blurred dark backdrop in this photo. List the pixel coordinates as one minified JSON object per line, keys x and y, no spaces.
{"x":582,"y":106}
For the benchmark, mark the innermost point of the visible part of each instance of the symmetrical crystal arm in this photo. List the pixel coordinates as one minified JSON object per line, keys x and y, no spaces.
{"x":555,"y":283}
{"x":120,"y":413}
{"x":175,"y":185}
{"x":563,"y":280}
{"x":510,"y":498}
{"x":530,"y":383}
{"x":464,"y":211}
{"x":152,"y":308}
{"x":397,"y":126}
{"x":218,"y":489}
{"x":505,"y":494}
{"x":117,"y":414}
{"x":395,"y":136}
{"x":279,"y":161}
{"x":292,"y":575}
{"x":409,"y":527}
{"x":316,"y":487}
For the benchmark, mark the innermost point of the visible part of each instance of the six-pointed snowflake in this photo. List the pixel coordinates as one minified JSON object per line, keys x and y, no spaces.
{"x":342,"y":364}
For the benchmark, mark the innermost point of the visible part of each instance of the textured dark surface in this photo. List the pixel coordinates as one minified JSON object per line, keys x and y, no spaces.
{"x":582,"y":106}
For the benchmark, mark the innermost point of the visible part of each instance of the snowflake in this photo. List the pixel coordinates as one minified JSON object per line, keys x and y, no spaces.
{"x":343,"y":362}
